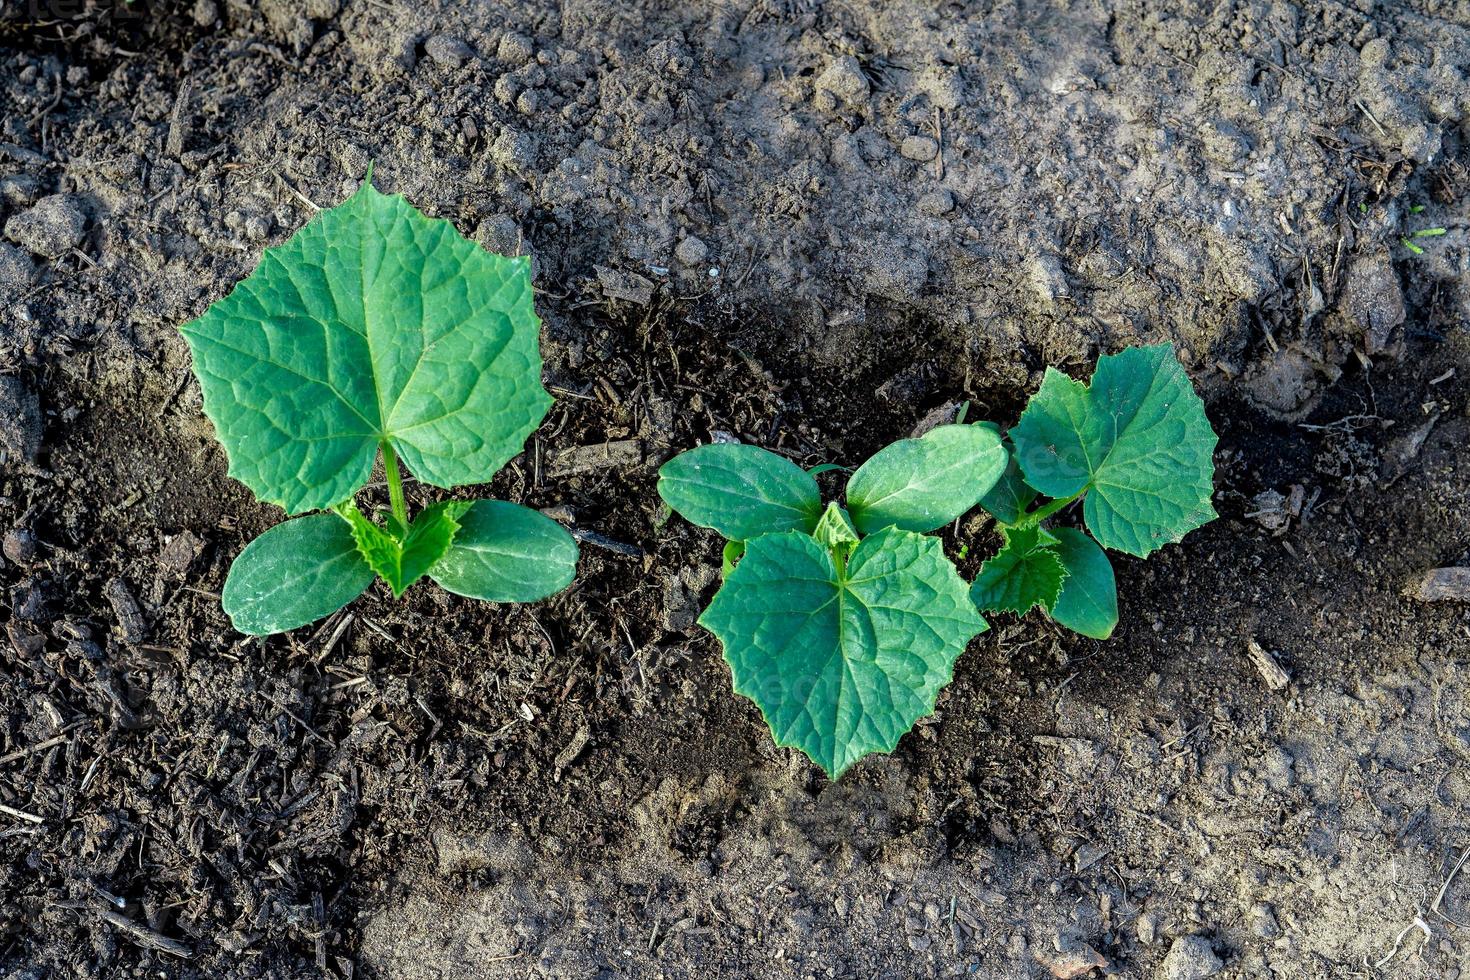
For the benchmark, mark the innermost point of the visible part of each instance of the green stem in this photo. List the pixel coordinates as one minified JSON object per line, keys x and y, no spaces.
{"x":1042,"y":513}
{"x":395,"y":484}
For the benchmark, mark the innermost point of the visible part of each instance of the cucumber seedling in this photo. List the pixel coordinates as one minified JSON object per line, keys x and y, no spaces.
{"x":376,"y":329}
{"x":841,"y":624}
{"x":1135,"y":448}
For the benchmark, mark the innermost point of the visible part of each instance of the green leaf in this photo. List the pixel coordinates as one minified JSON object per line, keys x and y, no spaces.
{"x":372,"y":323}
{"x":507,"y":553}
{"x":403,"y":560}
{"x":922,"y":484}
{"x":1089,"y":600}
{"x":1008,"y":499}
{"x":741,"y":491}
{"x":294,"y":574}
{"x":842,"y":666}
{"x":1025,"y":573}
{"x":835,"y":531}
{"x":1136,"y":441}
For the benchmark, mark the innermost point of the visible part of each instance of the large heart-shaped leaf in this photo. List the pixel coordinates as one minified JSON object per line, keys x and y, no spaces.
{"x":1088,"y":603}
{"x":1136,"y":440}
{"x":842,"y":662}
{"x":1025,"y":573}
{"x":741,"y":491}
{"x":504,"y":552}
{"x":921,"y":484}
{"x":293,"y":574}
{"x":371,"y":326}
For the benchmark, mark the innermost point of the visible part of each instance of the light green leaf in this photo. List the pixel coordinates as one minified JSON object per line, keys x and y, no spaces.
{"x":741,"y":491}
{"x":1137,"y":441}
{"x":507,"y":553}
{"x":835,"y":531}
{"x":402,"y":561}
{"x":1088,"y":603}
{"x":372,"y":323}
{"x":842,"y":666}
{"x":294,"y":574}
{"x":922,"y":484}
{"x":1025,"y":573}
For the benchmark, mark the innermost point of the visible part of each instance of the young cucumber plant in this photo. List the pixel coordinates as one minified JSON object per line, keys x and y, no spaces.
{"x":842,"y":625}
{"x":376,"y":329}
{"x":1135,"y":448}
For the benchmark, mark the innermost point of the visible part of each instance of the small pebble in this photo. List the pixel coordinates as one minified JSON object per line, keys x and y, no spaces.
{"x":691,"y":251}
{"x":515,"y":49}
{"x":919,"y":147}
{"x":51,"y":227}
{"x":936,"y":202}
{"x":448,"y":51}
{"x":206,"y":12}
{"x":1191,"y":958}
{"x":845,"y":79}
{"x":19,"y":545}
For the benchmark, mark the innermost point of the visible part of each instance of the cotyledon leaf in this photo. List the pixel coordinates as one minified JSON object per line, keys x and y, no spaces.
{"x":1025,"y":573}
{"x":921,"y":484}
{"x":504,"y":552}
{"x":741,"y":491}
{"x":1136,"y":440}
{"x":294,"y":574}
{"x":373,"y":324}
{"x":842,"y":666}
{"x":1088,"y":603}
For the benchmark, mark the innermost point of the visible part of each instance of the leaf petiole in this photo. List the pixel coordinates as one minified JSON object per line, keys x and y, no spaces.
{"x":1042,"y":513}
{"x":395,"y":488}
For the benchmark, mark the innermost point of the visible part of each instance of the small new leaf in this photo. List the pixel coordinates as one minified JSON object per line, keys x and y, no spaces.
{"x":373,"y":324}
{"x":1025,"y":573}
{"x":842,"y":665}
{"x":922,"y":484}
{"x":835,"y":531}
{"x":1136,"y":441}
{"x":402,"y":561}
{"x":741,"y":491}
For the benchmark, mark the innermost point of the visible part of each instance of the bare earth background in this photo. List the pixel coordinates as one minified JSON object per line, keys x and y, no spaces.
{"x":811,"y":225}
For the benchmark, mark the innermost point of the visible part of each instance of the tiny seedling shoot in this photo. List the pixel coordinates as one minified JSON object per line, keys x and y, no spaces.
{"x":843,"y":624}
{"x":377,"y":330}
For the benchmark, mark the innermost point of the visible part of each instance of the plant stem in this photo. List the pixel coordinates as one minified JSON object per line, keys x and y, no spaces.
{"x":395,"y":484}
{"x":1042,"y":513}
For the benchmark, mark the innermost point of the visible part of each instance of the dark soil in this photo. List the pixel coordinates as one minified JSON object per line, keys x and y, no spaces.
{"x":810,"y":227}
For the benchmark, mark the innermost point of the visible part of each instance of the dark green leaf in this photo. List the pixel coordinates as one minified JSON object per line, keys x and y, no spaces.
{"x":1089,"y":600}
{"x":294,"y":574}
{"x":842,"y":666}
{"x":922,"y":484}
{"x":1137,"y":441}
{"x":1008,"y":499}
{"x":504,"y":552}
{"x":740,"y":491}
